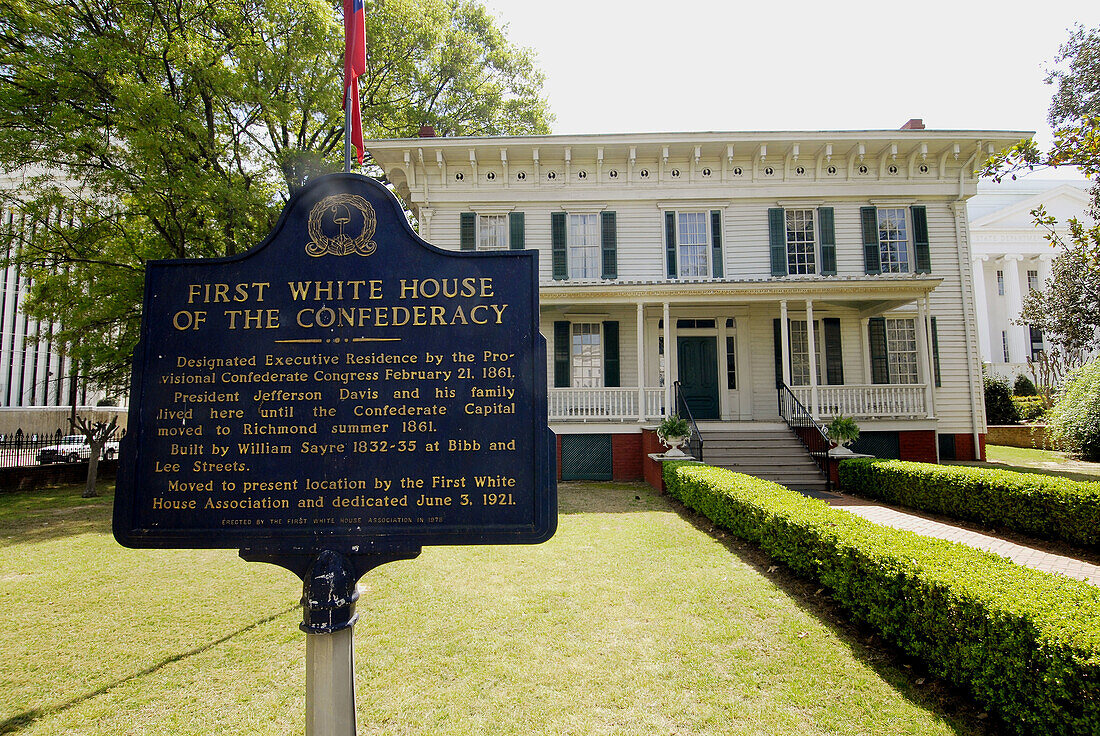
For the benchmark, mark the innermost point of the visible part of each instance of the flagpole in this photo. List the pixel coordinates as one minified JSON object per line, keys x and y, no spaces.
{"x":347,"y":130}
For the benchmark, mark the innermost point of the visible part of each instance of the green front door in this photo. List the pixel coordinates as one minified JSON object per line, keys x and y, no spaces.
{"x":697,"y":362}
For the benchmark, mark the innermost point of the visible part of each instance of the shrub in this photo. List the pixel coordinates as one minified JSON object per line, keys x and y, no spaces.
{"x":1023,"y":386}
{"x":1025,"y":643}
{"x":1028,"y":408}
{"x":1039,"y":505}
{"x":998,"y":402}
{"x":1073,"y":423}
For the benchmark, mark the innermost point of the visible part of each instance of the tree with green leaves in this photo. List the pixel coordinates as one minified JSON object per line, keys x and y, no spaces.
{"x":133,"y":130}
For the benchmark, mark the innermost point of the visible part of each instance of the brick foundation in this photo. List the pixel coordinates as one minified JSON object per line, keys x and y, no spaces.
{"x":964,"y":446}
{"x":918,"y":446}
{"x":654,"y":475}
{"x":626,"y":457}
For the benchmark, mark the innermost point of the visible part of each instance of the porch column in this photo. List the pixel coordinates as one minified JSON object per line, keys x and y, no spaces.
{"x":785,"y":342}
{"x":667,"y":322}
{"x":865,"y":339}
{"x":1017,"y":352}
{"x":812,"y":357}
{"x":924,"y":335}
{"x":981,"y":304}
{"x":641,"y":364}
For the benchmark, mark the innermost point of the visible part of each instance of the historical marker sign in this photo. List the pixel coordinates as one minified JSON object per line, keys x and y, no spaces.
{"x":344,"y":385}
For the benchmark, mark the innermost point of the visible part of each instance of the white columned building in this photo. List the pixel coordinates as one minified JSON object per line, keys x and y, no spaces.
{"x":1010,"y":257}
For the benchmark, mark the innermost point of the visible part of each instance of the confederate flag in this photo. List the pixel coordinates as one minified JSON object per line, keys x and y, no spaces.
{"x":355,"y":63}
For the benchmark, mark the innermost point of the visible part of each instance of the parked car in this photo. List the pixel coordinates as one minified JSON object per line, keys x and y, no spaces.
{"x":74,"y":448}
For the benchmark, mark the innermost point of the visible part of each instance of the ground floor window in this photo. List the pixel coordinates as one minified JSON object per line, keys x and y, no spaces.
{"x":901,"y":350}
{"x":800,"y":352}
{"x":586,"y":357}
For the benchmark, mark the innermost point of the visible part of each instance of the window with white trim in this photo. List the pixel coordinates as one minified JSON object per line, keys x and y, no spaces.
{"x":801,"y":247}
{"x":492,"y":232}
{"x":1004,"y":345}
{"x":901,"y":349}
{"x":1032,"y":280}
{"x":800,"y":352}
{"x":693,"y":244}
{"x":893,"y":239}
{"x":586,"y":356}
{"x":583,"y":242}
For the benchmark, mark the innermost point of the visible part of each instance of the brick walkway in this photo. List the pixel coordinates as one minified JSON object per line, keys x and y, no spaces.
{"x":1030,"y":556}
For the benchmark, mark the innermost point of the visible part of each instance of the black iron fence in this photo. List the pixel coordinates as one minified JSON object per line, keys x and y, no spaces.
{"x":20,"y":449}
{"x":807,"y":429}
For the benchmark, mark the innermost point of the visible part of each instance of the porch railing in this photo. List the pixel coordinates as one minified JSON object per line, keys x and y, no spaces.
{"x":695,"y":441}
{"x":606,"y":404}
{"x":809,"y":432}
{"x":866,"y":400}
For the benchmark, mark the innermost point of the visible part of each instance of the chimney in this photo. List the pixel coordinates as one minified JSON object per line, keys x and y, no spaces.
{"x":428,"y":131}
{"x":914,"y":124}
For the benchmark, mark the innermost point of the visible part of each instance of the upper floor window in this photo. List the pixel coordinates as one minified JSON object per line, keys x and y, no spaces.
{"x":492,"y":232}
{"x":893,"y":240}
{"x":1000,"y":283}
{"x":1032,"y":280}
{"x":693,"y":243}
{"x":584,"y":245}
{"x":801,"y":249}
{"x":583,"y":238}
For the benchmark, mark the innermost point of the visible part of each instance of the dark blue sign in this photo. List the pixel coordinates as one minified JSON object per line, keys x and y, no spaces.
{"x":344,"y":385}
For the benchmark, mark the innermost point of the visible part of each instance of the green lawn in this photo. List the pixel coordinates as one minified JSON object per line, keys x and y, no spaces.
{"x":631,"y":620}
{"x":1048,"y":462}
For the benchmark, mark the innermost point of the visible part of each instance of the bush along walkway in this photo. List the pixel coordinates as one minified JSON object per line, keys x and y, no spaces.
{"x":1026,"y":644}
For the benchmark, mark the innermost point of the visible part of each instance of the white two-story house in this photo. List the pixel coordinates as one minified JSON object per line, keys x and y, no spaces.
{"x":726,"y":271}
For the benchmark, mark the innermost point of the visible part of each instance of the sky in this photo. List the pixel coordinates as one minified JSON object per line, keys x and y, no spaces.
{"x":698,"y":65}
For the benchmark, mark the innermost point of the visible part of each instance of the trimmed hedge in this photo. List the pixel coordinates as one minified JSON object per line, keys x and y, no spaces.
{"x":1025,"y":643}
{"x":1038,"y":505}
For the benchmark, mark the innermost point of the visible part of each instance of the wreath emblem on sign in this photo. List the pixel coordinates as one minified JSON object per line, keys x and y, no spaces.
{"x":333,"y":226}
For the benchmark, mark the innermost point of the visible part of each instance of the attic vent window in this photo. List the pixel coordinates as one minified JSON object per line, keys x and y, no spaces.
{"x":924,"y":168}
{"x":644,"y":173}
{"x":459,"y":176}
{"x":521,"y":175}
{"x":675,"y":173}
{"x":769,"y":171}
{"x":614,"y":174}
{"x":893,"y":169}
{"x":551,"y":175}
{"x":801,"y":170}
{"x":490,"y":176}
{"x":706,"y":172}
{"x":582,"y":174}
{"x":831,"y":171}
{"x":738,"y":171}
{"x":863,"y":169}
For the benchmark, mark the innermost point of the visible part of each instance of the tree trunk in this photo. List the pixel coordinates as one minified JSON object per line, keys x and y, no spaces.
{"x":93,"y":471}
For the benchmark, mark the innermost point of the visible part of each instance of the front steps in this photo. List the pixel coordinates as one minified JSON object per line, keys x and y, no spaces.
{"x":768,"y":451}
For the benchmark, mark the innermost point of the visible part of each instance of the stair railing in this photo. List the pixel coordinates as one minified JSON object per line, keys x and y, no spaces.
{"x":808,"y":430}
{"x":695,"y":441}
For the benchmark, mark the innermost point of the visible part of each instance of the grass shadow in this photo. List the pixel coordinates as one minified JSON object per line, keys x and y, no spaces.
{"x":54,"y":512}
{"x":907,"y":675}
{"x":20,"y":721}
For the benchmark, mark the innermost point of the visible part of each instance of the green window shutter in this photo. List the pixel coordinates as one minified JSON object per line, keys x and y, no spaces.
{"x":467,"y":231}
{"x":716,"y":243}
{"x":935,"y":352}
{"x":557,"y":245}
{"x":869,"y":218}
{"x":515,"y":231}
{"x":834,"y":358}
{"x":670,"y":243}
{"x":777,"y":342}
{"x":922,"y":255}
{"x":777,"y":236}
{"x":880,"y":361}
{"x":609,"y":247}
{"x":561,"y":354}
{"x":828,"y":240}
{"x":611,"y":354}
